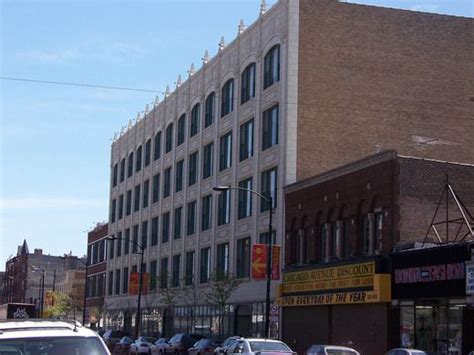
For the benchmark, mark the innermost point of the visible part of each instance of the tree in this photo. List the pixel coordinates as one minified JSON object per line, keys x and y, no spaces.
{"x":222,"y":285}
{"x":62,"y":305}
{"x":169,"y":295}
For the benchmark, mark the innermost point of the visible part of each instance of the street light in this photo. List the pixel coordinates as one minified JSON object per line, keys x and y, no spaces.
{"x":41,"y":289}
{"x":140,"y":282}
{"x":269,"y":200}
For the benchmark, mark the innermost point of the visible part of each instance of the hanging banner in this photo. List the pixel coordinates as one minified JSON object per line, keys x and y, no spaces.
{"x":134,"y":282}
{"x":259,"y":261}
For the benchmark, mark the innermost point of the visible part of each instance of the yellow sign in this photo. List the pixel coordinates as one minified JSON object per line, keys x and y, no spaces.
{"x":381,"y":293}
{"x":329,"y":285}
{"x":343,"y":272}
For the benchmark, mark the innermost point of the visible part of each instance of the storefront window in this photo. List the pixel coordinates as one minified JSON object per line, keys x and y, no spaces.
{"x":407,"y":326}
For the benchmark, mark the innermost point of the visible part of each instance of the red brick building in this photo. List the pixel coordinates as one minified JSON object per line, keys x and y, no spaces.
{"x":341,"y":227}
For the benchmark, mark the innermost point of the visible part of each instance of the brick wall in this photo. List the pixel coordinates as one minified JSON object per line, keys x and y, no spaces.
{"x":374,"y":76}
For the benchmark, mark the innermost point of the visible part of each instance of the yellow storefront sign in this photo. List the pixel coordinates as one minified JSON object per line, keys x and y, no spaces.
{"x":379,"y":284}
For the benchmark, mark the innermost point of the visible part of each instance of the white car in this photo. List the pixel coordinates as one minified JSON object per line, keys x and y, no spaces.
{"x":142,"y":345}
{"x":48,"y":337}
{"x":330,"y":350}
{"x":404,"y":351}
{"x":253,"y":346}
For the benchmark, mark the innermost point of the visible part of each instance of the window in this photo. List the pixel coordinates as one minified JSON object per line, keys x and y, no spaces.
{"x":122,"y":170}
{"x":154,"y":231}
{"x":115,"y":175}
{"x":324,"y":241}
{"x":243,"y":258}
{"x":135,"y":238}
{"x":181,"y":130}
{"x":165,"y":228}
{"x":110,"y":282}
{"x":206,"y":210}
{"x":117,"y":282}
{"x":269,"y":189}
{"x":130,"y":165}
{"x":222,"y":262}
{"x":193,"y":168}
{"x":176,"y":267}
{"x":263,"y":237}
{"x":146,"y":193}
{"x":136,"y":205}
{"x":113,"y":210}
{"x":191,"y":218}
{"x":246,"y":140}
{"x":126,"y":243}
{"x":148,"y":152}
{"x":210,"y":109}
{"x":195,"y":113}
{"x":207,"y":160}
{"x":225,"y":153}
{"x":129,"y":203}
{"x":125,"y":280}
{"x":245,"y":199}
{"x":119,"y":244}
{"x":164,"y":273}
{"x":169,"y":138}
{"x":248,"y":84}
{"x":153,"y":273}
{"x":138,"y":161}
{"x":271,"y":67}
{"x":157,"y":146}
{"x":167,"y":183}
{"x":205,"y":269}
{"x":179,"y":175}
{"x":270,"y":127}
{"x":227,"y":97}
{"x":178,"y":217}
{"x":120,"y":208}
{"x":223,"y":208}
{"x":111,"y":247}
{"x":102,"y":255}
{"x":189,"y":277}
{"x":144,"y":242}
{"x":156,"y":188}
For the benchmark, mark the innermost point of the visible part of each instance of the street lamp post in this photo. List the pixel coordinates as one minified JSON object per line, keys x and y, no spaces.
{"x":269,"y":200}
{"x":140,"y":281}
{"x":42,"y":294}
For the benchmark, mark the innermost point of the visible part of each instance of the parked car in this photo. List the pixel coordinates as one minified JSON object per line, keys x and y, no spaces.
{"x":204,"y":347}
{"x":159,"y":345}
{"x":112,"y":337}
{"x":330,"y":350}
{"x":142,"y":345}
{"x":180,"y":343}
{"x":221,"y":349}
{"x":123,"y":346}
{"x":403,"y":351}
{"x":254,"y":346}
{"x":48,"y":337}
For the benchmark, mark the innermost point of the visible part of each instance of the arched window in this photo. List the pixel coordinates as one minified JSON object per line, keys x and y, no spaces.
{"x":271,"y":67}
{"x":247,"y":90}
{"x":227,"y":97}
{"x":209,"y":112}
{"x":195,"y":118}
{"x":138,"y":160}
{"x":181,"y":130}
{"x":169,"y":138}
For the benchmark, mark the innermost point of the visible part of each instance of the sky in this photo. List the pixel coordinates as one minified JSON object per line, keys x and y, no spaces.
{"x":55,"y":140}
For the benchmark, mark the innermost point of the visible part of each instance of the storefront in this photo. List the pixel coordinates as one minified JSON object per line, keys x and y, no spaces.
{"x":430,"y":309}
{"x":340,"y":304}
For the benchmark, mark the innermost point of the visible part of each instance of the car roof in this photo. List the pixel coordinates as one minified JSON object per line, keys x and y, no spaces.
{"x":335,"y":347}
{"x":261,"y":339}
{"x":31,"y":328}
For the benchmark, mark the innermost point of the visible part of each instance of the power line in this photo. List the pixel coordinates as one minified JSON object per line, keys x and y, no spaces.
{"x":80,"y":84}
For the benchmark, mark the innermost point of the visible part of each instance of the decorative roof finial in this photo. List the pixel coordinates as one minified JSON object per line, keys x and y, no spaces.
{"x":147,"y":108}
{"x":178,"y":82}
{"x":129,"y":124}
{"x":122,"y":131}
{"x":221,"y":44}
{"x":241,"y":27}
{"x":157,"y":101}
{"x":191,"y":70}
{"x":138,"y":117}
{"x":205,"y":59}
{"x":263,"y":7}
{"x":115,"y":137}
{"x":167,"y":91}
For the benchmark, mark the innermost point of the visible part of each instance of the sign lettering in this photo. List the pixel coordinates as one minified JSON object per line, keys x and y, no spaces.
{"x":430,"y":273}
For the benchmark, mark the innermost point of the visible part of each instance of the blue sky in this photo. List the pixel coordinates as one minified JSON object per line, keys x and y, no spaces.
{"x":55,"y":140}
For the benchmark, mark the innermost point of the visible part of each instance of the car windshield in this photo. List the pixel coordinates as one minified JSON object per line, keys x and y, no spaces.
{"x":53,"y":346}
{"x":147,"y":339}
{"x":268,"y":346}
{"x":340,"y":352}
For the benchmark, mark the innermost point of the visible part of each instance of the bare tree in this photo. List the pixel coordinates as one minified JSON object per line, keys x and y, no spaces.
{"x":169,"y":297}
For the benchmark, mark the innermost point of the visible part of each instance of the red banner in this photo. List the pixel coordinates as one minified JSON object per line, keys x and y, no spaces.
{"x":259,"y":262}
{"x":134,"y":282}
{"x":276,"y":262}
